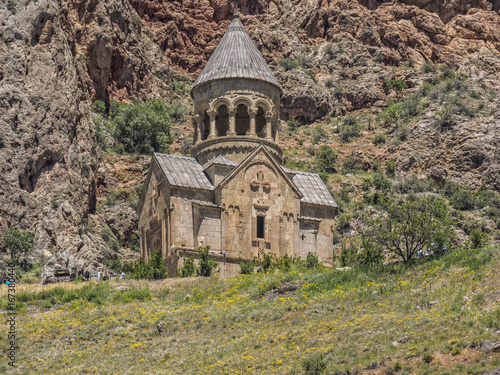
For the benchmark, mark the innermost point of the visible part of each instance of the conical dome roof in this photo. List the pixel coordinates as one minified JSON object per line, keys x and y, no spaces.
{"x":236,"y":56}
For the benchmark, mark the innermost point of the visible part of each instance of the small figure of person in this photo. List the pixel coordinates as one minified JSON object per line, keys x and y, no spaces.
{"x":259,"y":269}
{"x":98,"y":276}
{"x":122,"y":275}
{"x":105,"y":275}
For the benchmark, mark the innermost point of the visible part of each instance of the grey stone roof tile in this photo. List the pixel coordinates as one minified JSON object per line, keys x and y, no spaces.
{"x":183,"y":171}
{"x":236,"y":56}
{"x":313,"y":189}
{"x":221,"y":160}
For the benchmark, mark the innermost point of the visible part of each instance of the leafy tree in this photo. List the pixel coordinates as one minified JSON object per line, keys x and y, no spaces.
{"x":188,"y":269}
{"x":393,"y":114}
{"x":18,"y":245}
{"x":207,"y":265}
{"x":143,"y":128}
{"x":410,"y":224}
{"x":325,"y":159}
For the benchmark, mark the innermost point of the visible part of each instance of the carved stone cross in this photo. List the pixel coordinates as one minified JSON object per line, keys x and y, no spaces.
{"x":256,"y":184}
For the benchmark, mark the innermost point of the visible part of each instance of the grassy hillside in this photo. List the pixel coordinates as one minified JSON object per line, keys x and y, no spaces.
{"x":432,"y":316}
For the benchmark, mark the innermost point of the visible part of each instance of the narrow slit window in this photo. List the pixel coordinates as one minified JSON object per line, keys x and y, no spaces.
{"x":260,"y":226}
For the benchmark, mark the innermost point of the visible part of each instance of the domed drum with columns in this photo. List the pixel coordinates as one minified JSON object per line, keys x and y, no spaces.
{"x":233,"y":194}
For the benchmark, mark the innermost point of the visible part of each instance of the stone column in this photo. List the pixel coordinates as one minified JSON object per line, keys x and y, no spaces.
{"x":212,"y":115}
{"x":232,"y":122}
{"x":269,"y":128}
{"x":252,"y":114}
{"x":277,"y":137}
{"x":197,"y":130}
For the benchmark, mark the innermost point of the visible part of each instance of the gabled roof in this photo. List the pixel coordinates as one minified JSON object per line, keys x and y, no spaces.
{"x":236,"y":56}
{"x":248,"y":159}
{"x":183,"y":171}
{"x":313,"y":189}
{"x":221,"y":160}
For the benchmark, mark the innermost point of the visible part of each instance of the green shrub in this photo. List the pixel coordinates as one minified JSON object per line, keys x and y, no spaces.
{"x":188,"y":268}
{"x":267,"y":262}
{"x":390,"y":167}
{"x":206,"y":265}
{"x":459,"y":197}
{"x":312,"y":260}
{"x":370,"y":253}
{"x":351,"y":165}
{"x":379,"y":139}
{"x":284,"y":263}
{"x":344,"y":222}
{"x":349,"y":129}
{"x":177,"y":109}
{"x":348,"y":255}
{"x":447,"y":72}
{"x":99,"y":107}
{"x":134,"y":243}
{"x":288,"y":64}
{"x":246,"y":268}
{"x":326,"y":158}
{"x":135,"y":294}
{"x":142,"y":128}
{"x":381,"y":182}
{"x":397,"y":85}
{"x":428,"y":67}
{"x":319,"y":135}
{"x":181,"y":85}
{"x":314,"y":366}
{"x":413,"y":184}
{"x":445,"y":118}
{"x":153,"y":269}
{"x":477,"y":239}
{"x":366,"y":184}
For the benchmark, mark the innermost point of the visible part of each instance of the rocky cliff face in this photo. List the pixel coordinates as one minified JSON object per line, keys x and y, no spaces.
{"x":344,"y":53}
{"x":55,"y":57}
{"x":332,"y":57}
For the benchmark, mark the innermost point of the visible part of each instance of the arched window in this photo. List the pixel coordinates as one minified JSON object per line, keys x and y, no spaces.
{"x":222,"y":121}
{"x":206,"y":126}
{"x":242,"y":120}
{"x":260,"y":123}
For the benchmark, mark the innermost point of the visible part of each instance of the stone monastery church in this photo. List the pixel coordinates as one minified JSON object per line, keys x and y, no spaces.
{"x":233,"y":194}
